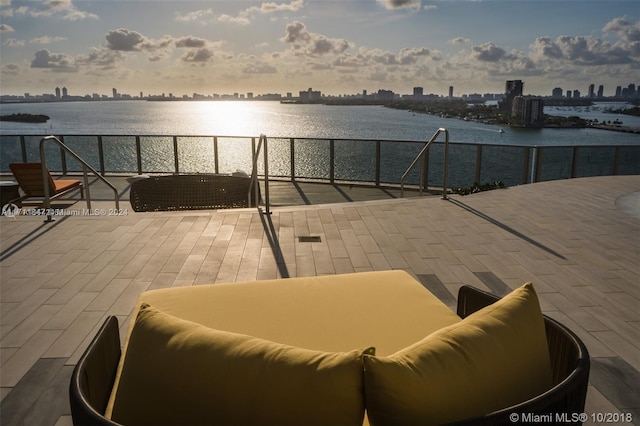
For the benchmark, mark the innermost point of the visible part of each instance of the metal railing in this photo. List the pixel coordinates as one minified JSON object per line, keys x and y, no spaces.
{"x":85,"y":167}
{"x":375,"y":162}
{"x":255,"y":185}
{"x":421,"y":158}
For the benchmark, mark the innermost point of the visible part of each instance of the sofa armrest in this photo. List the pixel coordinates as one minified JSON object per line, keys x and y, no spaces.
{"x":93,"y":377}
{"x":570,"y":364}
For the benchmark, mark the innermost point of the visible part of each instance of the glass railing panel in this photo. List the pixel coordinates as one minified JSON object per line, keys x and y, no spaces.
{"x":462,"y":165}
{"x":196,"y":154}
{"x":395,"y":157}
{"x":156,"y":153}
{"x":10,"y":152}
{"x":279,"y":158}
{"x":595,"y":161}
{"x":119,"y":154}
{"x":355,"y":160}
{"x":85,"y":147}
{"x":554,"y":163}
{"x":312,"y":158}
{"x":502,"y":163}
{"x":234,"y":155}
{"x":51,"y":152}
{"x":629,"y":160}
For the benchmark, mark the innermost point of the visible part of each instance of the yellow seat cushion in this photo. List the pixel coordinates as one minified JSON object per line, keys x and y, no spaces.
{"x":494,"y":358}
{"x":177,"y":372}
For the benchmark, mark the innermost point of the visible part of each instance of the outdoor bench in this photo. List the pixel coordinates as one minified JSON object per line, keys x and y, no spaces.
{"x":374,"y":348}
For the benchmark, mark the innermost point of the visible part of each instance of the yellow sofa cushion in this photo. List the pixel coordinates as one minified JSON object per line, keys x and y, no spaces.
{"x":179,"y":372}
{"x":494,"y":358}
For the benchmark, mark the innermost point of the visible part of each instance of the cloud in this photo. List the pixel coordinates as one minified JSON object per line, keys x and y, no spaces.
{"x":410,"y":56}
{"x":460,"y":40}
{"x":244,"y":19}
{"x":10,"y":69}
{"x":488,"y":52}
{"x":54,"y":61}
{"x":198,"y":55}
{"x":581,"y":50}
{"x":46,"y":40}
{"x":627,"y":30}
{"x":100,"y":58}
{"x":196,"y":15}
{"x":293,"y":6}
{"x":239,"y":20}
{"x":4,"y":28}
{"x":312,"y":44}
{"x":190,"y":41}
{"x":259,"y":68}
{"x":12,"y":42}
{"x":48,"y":8}
{"x":401,"y":4}
{"x":125,"y":40}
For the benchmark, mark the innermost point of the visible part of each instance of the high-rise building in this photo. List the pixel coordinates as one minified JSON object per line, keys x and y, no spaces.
{"x":418,"y":91}
{"x":568,"y":93}
{"x":64,"y":92}
{"x":450,"y":92}
{"x":601,"y":91}
{"x":557,"y":92}
{"x":58,"y":92}
{"x":527,"y":111}
{"x":576,"y":93}
{"x":513,"y":88}
{"x":592,"y":89}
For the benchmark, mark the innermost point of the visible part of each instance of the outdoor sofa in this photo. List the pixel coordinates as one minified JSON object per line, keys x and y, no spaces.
{"x":372,"y":347}
{"x":203,"y":191}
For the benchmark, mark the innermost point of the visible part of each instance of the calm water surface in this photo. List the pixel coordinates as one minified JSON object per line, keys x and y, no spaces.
{"x":286,"y":120}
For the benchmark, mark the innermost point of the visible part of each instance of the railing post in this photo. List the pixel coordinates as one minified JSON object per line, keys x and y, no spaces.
{"x":535,"y":172}
{"x":86,"y":185}
{"x":525,"y":164}
{"x":446,"y":164}
{"x":45,"y":182}
{"x":63,"y":158}
{"x":138,"y":155}
{"x":101,"y":154}
{"x":478,"y":162}
{"x":574,"y":162}
{"x":378,"y":162}
{"x":332,"y":160}
{"x":175,"y":155}
{"x":292,"y":150}
{"x":23,"y":148}
{"x":216,"y":164}
{"x":266,"y":177}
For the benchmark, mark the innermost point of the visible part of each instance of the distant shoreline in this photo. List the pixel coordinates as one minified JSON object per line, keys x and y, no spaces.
{"x":25,"y":118}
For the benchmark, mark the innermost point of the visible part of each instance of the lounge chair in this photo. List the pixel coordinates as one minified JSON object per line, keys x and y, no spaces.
{"x":29,"y":177}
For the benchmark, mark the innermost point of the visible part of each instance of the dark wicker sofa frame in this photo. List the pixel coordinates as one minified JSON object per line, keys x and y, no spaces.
{"x":191,"y":192}
{"x":94,"y":375}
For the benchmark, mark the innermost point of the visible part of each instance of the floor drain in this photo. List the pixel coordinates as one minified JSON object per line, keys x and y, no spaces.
{"x":309,"y":239}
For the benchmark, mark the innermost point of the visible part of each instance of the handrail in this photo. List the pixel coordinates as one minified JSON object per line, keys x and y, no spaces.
{"x":420,"y":157}
{"x":254,"y":175}
{"x":85,"y":166}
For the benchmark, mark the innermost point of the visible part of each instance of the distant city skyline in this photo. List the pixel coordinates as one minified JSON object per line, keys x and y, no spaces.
{"x":338,"y":48}
{"x":630,"y":91}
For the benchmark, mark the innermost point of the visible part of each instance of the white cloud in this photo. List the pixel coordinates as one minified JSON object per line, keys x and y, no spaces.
{"x":401,"y":4}
{"x":54,"y":61}
{"x":4,"y":28}
{"x":312,"y":44}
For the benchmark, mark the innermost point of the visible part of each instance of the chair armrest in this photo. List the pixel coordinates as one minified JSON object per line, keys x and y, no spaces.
{"x":471,"y":299}
{"x":570,"y":365}
{"x":93,"y":377}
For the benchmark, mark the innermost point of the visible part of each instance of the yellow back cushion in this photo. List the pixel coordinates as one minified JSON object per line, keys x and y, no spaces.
{"x":494,"y":358}
{"x":180,"y":372}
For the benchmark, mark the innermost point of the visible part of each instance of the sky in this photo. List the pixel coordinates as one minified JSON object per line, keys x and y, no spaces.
{"x":336,"y":47}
